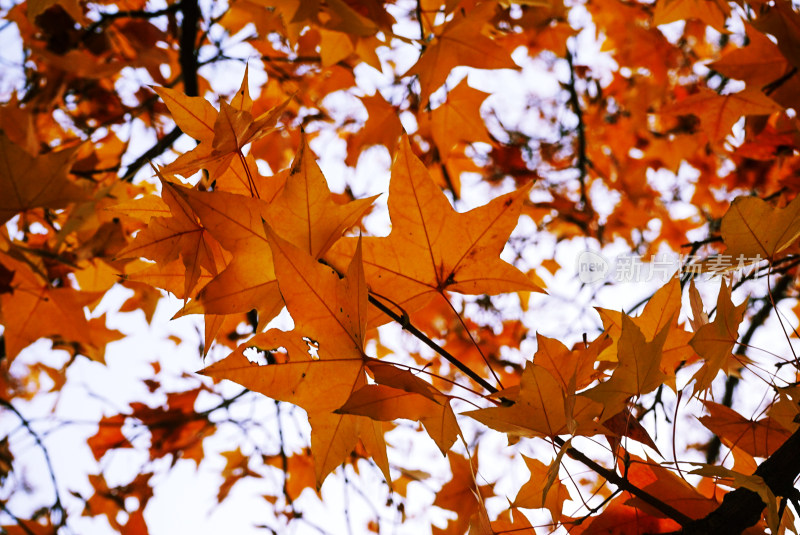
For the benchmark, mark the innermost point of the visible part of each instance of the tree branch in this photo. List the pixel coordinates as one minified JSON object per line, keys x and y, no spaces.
{"x":583,"y":161}
{"x":614,"y":478}
{"x":188,"y":62}
{"x":188,"y":49}
{"x":153,"y":152}
{"x":422,"y":337}
{"x":609,"y":475}
{"x":741,"y":508}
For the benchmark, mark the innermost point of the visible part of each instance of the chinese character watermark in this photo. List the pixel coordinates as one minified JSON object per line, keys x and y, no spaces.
{"x":592,"y":267}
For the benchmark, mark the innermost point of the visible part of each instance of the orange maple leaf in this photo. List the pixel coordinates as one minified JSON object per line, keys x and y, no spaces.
{"x":458,"y":119}
{"x":33,"y":309}
{"x":335,"y":330}
{"x":400,"y":394}
{"x":661,"y":312}
{"x":714,"y":341}
{"x":34,"y":181}
{"x":758,"y":438}
{"x":718,"y":113}
{"x":542,"y":408}
{"x":302,"y":212}
{"x":383,"y":127}
{"x":432,"y":248}
{"x":222,"y":134}
{"x":539,"y":491}
{"x":181,"y":235}
{"x":639,"y":369}
{"x":460,"y":43}
{"x":754,"y":229}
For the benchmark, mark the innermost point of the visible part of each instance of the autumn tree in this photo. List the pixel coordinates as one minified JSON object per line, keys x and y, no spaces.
{"x":546,"y":282}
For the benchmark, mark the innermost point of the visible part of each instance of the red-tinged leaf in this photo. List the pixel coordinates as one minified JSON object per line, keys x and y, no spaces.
{"x":758,"y":438}
{"x":625,"y":424}
{"x":109,"y":436}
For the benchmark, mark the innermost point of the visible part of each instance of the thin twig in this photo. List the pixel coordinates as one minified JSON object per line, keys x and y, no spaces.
{"x":57,"y":506}
{"x":583,"y":161}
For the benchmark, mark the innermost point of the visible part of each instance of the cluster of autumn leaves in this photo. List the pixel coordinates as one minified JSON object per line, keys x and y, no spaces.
{"x":240,"y":241}
{"x":258,"y":242}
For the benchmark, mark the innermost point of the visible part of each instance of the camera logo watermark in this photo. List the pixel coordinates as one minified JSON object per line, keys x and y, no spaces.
{"x":592,"y":267}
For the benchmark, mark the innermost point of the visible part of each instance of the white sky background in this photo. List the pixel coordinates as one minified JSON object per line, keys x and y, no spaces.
{"x":185,"y":500}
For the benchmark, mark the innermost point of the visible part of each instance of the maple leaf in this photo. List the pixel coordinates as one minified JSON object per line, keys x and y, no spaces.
{"x":383,"y":127}
{"x":33,"y":309}
{"x":320,"y":385}
{"x":305,"y":212}
{"x":181,"y":235}
{"x":758,"y":438}
{"x":718,"y":113}
{"x":302,"y":212}
{"x":461,"y":493}
{"x":173,"y":427}
{"x":758,"y":63}
{"x":573,"y":369}
{"x":714,"y":341}
{"x":236,"y":468}
{"x":661,"y":312}
{"x":222,"y":135}
{"x":400,"y":394}
{"x":712,"y":12}
{"x":754,"y":229}
{"x":458,"y":119}
{"x":34,"y":181}
{"x":638,"y":372}
{"x":542,"y":408}
{"x":248,"y":281}
{"x":539,"y":491}
{"x":299,"y":471}
{"x":461,"y":42}
{"x":432,"y":248}
{"x":109,"y":436}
